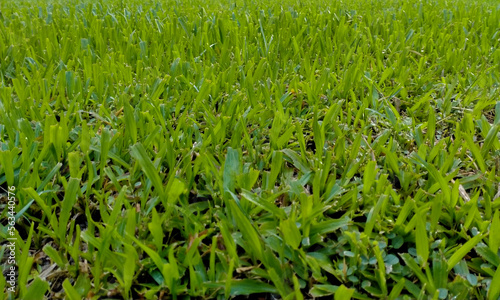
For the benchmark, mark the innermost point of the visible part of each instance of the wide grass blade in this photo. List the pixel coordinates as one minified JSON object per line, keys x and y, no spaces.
{"x":463,"y":250}
{"x":139,"y":153}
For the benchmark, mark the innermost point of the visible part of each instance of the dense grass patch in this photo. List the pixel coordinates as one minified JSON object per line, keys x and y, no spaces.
{"x":211,"y":149}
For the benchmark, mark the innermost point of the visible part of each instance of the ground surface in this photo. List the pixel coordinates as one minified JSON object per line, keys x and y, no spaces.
{"x":277,"y":149}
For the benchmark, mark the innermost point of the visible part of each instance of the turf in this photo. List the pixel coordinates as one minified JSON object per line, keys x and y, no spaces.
{"x":261,"y":149}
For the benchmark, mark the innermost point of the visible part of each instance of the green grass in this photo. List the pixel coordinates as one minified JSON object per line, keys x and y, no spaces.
{"x":213,"y":149}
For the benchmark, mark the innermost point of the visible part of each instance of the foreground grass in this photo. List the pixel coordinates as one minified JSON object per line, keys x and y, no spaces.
{"x":215,"y":149}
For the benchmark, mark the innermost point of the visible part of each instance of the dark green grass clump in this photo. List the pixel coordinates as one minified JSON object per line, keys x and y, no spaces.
{"x":272,"y":149}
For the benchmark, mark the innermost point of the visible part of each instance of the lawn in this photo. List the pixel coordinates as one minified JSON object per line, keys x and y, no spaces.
{"x":250,"y":149}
